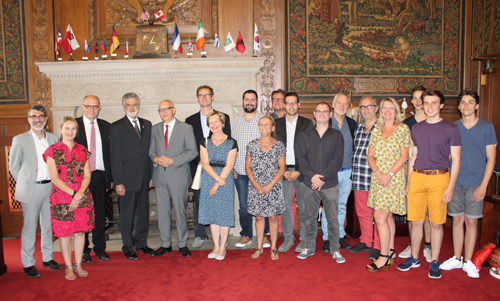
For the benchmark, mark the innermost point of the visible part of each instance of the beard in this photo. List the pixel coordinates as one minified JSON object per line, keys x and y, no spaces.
{"x":250,"y":110}
{"x":39,"y":126}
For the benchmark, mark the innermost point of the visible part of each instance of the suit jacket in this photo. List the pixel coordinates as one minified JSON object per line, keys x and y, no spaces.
{"x":182,"y":150}
{"x":81,"y":138}
{"x":352,"y":126}
{"x":130,"y":164}
{"x":195,"y":121}
{"x":280,"y":131}
{"x":23,"y":164}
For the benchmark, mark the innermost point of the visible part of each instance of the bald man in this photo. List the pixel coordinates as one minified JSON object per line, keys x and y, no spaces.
{"x":172,"y":147}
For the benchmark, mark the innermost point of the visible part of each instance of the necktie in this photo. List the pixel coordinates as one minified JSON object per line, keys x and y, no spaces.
{"x":137,"y":129}
{"x":92,"y":146}
{"x":166,"y":137}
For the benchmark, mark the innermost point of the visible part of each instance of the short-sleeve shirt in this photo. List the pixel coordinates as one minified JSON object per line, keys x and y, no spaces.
{"x":433,"y":141}
{"x":243,"y":132}
{"x":410,"y":121}
{"x":473,"y":154}
{"x":361,"y":170}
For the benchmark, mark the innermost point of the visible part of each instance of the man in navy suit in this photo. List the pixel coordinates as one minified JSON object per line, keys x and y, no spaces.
{"x":93,"y":133}
{"x":205,"y":96}
{"x":132,"y":172}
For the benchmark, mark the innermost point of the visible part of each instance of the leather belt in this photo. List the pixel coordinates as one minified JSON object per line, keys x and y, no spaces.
{"x":431,"y":171}
{"x":42,"y":182}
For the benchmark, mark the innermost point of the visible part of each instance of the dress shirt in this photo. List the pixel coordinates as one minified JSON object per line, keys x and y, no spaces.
{"x":290,"y":140}
{"x":361,"y":170}
{"x":133,"y":124}
{"x":99,"y":160}
{"x":204,"y":125}
{"x":170,"y":128}
{"x":41,"y":146}
{"x":346,"y":133}
{"x":244,"y":132}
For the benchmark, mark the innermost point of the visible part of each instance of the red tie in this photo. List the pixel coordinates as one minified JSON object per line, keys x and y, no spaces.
{"x":166,"y":137}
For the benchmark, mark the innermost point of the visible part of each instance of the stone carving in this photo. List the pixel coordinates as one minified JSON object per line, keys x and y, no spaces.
{"x":120,"y":13}
{"x":185,"y":12}
{"x":267,"y":33}
{"x":91,"y":8}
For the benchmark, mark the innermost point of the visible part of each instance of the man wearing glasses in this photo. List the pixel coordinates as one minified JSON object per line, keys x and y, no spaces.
{"x":93,"y":133}
{"x":278,"y":98}
{"x":289,"y":130}
{"x":33,"y":189}
{"x":205,"y":97}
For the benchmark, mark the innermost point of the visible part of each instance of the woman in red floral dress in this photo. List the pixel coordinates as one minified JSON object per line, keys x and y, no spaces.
{"x":71,"y":205}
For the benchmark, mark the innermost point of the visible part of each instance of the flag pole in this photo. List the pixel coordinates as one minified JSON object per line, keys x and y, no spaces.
{"x":234,"y":52}
{"x":203,"y":53}
{"x":254,"y":53}
{"x":71,"y":56}
{"x":175,"y":56}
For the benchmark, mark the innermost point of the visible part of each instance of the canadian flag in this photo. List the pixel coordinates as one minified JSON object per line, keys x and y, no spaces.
{"x":159,"y":14}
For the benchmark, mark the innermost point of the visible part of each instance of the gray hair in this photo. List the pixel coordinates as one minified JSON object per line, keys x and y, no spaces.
{"x":37,"y":108}
{"x":130,"y":95}
{"x":338,"y":94}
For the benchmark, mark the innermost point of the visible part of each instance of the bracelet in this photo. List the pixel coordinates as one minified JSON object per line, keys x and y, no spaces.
{"x":375,"y":172}
{"x":74,"y":193}
{"x":274,"y":183}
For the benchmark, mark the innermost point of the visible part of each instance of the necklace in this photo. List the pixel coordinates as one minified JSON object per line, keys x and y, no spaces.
{"x":262,"y":145}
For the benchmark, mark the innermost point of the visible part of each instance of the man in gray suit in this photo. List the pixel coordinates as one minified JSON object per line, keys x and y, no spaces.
{"x":33,"y":189}
{"x":172,"y":147}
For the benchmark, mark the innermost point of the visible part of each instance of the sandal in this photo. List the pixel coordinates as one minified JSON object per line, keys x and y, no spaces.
{"x":257,"y":253}
{"x":81,"y":272}
{"x":373,"y":268}
{"x":274,"y":255}
{"x":69,"y":276}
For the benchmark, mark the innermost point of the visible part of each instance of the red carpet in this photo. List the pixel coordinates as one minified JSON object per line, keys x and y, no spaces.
{"x":238,"y":277}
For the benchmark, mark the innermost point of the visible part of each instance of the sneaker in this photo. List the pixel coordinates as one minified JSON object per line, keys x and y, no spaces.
{"x":408,"y":264}
{"x":434,"y":271}
{"x":452,"y":263}
{"x":359,"y":247}
{"x":470,"y":269}
{"x":244,"y":240}
{"x":266,"y":244}
{"x":305,"y":253}
{"x":344,"y":245}
{"x":301,"y":246}
{"x":374,"y":254}
{"x":406,"y":253}
{"x":338,"y":257}
{"x":286,"y":245}
{"x":326,"y":246}
{"x":495,"y":272}
{"x":198,"y":242}
{"x":427,"y":254}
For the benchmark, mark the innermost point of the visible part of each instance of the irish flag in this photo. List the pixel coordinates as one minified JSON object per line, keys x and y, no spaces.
{"x":200,"y":37}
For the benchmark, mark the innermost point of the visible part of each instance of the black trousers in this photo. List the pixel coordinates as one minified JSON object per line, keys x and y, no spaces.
{"x":97,"y":188}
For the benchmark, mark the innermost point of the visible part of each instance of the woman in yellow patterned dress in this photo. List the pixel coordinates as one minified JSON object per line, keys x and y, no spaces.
{"x":388,"y":152}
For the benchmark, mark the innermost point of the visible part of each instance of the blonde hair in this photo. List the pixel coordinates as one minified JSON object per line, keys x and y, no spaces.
{"x":397,"y":111}
{"x":221,"y":117}
{"x":67,"y":118}
{"x":272,"y":123}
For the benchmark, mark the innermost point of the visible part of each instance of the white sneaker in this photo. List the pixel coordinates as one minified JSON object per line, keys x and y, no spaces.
{"x":470,"y":269}
{"x":452,"y":263}
{"x":406,"y":253}
{"x":338,"y":257}
{"x":427,"y":254}
{"x":495,"y":272}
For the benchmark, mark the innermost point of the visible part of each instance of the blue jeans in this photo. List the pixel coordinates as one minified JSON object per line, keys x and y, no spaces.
{"x":345,"y":185}
{"x":246,"y":219}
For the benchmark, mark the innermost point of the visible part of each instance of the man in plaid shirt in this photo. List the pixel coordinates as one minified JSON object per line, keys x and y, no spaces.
{"x":361,"y":176}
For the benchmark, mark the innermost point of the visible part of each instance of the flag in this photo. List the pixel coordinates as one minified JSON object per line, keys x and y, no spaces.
{"x":126,"y":48}
{"x":176,"y":46}
{"x":59,"y":40}
{"x":103,"y":46}
{"x":256,"y":41}
{"x":240,"y":46}
{"x":190,"y":47}
{"x":96,"y":49}
{"x":87,"y":48}
{"x":200,"y":37}
{"x":145,"y":15}
{"x":115,"y":43}
{"x":217,"y":42}
{"x":159,"y":14}
{"x":229,"y":43}
{"x":69,"y":42}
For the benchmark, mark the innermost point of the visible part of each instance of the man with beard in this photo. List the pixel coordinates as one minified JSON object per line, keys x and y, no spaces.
{"x":245,"y":128}
{"x":132,"y":171}
{"x":33,"y":189}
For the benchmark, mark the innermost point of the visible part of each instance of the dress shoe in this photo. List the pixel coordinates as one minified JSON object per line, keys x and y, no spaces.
{"x":326,"y":246}
{"x":344,"y":245}
{"x":146,"y":250}
{"x":360,"y":247}
{"x":32,"y":271}
{"x":102,"y":255}
{"x":131,"y":255}
{"x":374,"y":254}
{"x":185,"y":252}
{"x":52,"y":264}
{"x":161,"y":251}
{"x":86,"y":258}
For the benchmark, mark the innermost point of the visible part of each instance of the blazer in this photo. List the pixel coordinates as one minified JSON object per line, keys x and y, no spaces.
{"x":195,"y":121}
{"x":352,"y":126}
{"x":104,"y":128}
{"x":23,"y":164}
{"x":303,"y":124}
{"x":130,"y":164}
{"x":182,"y":150}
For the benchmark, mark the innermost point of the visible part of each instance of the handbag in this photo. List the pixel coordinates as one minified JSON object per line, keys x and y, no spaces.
{"x":196,"y":185}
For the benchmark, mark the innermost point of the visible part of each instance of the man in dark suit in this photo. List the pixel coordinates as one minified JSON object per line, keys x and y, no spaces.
{"x":205,"y":96}
{"x":93,"y":133}
{"x":172,"y":148}
{"x":132,"y":170}
{"x":289,"y":128}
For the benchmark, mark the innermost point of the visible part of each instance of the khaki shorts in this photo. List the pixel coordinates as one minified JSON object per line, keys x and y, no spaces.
{"x":427,"y":191}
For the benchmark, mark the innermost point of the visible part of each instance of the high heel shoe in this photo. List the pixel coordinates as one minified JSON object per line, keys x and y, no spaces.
{"x":71,"y":276}
{"x":373,"y":268}
{"x":82,"y":273}
{"x":392,"y":256}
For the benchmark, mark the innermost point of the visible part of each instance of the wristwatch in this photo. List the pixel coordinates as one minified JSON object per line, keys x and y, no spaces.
{"x":391,"y":174}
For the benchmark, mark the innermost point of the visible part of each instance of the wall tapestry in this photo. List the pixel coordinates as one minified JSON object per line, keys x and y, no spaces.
{"x":373,"y":46}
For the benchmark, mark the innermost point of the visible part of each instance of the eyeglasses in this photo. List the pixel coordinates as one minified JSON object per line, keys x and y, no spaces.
{"x":369,"y":107}
{"x":322,"y":112}
{"x":291,"y":103}
{"x":165,"y":109}
{"x":92,"y":107}
{"x":204,"y":95}
{"x":282,"y":99}
{"x":37,"y":116}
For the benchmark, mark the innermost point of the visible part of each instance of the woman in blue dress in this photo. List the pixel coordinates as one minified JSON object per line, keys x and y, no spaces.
{"x":217,"y":155}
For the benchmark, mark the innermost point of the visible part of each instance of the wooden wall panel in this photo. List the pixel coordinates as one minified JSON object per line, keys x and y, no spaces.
{"x":76,"y":13}
{"x":235,"y":16}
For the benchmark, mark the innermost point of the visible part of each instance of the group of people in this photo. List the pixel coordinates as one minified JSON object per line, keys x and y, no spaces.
{"x":267,"y":159}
